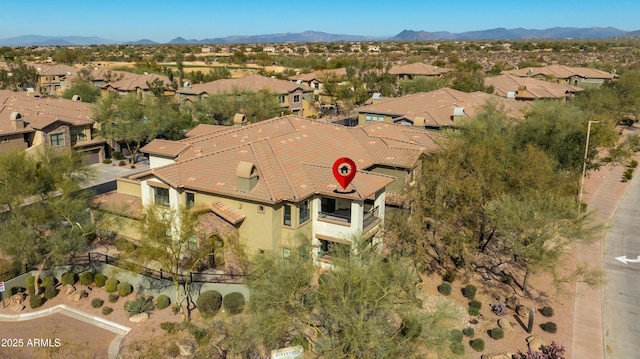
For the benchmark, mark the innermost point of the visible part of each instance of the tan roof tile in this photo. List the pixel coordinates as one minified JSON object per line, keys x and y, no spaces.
{"x":561,"y":72}
{"x":165,"y":148}
{"x":118,"y":203}
{"x":529,"y":88}
{"x":252,"y":83}
{"x":136,"y":82}
{"x":418,"y":68}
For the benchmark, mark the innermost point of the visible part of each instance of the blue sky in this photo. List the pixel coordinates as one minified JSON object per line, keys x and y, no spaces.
{"x":162,"y":21}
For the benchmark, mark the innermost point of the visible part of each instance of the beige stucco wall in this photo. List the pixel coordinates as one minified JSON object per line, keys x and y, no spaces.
{"x":127,"y":186}
{"x":400,"y":174}
{"x":362,"y":118}
{"x":12,"y":142}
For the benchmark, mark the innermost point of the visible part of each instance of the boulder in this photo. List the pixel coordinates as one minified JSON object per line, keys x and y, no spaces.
{"x":139,"y":318}
{"x":505,"y":324}
{"x":512,"y":302}
{"x":16,"y":308}
{"x":17,"y":298}
{"x":522,"y":311}
{"x":68,"y":289}
{"x":185,"y":350}
{"x":534,"y":342}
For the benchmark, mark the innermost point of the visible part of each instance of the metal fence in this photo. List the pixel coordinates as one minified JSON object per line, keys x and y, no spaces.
{"x":192,"y":277}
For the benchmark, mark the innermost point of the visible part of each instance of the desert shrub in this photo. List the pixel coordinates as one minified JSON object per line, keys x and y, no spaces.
{"x":549,"y":327}
{"x":122,"y":163}
{"x":477,"y":344}
{"x":209,"y":302}
{"x":444,"y":288}
{"x":106,"y":161}
{"x":457,"y":348}
{"x":162,"y":301}
{"x":499,"y":308}
{"x":97,"y":302}
{"x":15,"y":290}
{"x":124,"y":289}
{"x":117,"y":155}
{"x":111,"y":285}
{"x":506,"y":279}
{"x":411,"y":328}
{"x":69,"y":278}
{"x":48,"y":281}
{"x":30,"y":283}
{"x":113,"y":297}
{"x":171,"y":327}
{"x":99,"y":280}
{"x":86,"y":278}
{"x":469,"y":332}
{"x":107,"y":310}
{"x":455,"y":335}
{"x":469,"y":291}
{"x":124,"y":245}
{"x":496,"y":333}
{"x":173,"y":350}
{"x":546,"y":311}
{"x":473,"y":311}
{"x":449,"y":276}
{"x":633,"y":163}
{"x":35,"y":301}
{"x":141,"y":304}
{"x":50,"y":292}
{"x":200,"y":334}
{"x":233,"y":303}
{"x":551,"y":351}
{"x":475,"y":304}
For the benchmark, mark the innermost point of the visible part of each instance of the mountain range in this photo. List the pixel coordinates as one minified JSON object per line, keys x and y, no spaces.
{"x":317,"y":36}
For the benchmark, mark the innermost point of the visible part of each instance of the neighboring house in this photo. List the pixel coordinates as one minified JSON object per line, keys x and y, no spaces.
{"x":435,"y":109}
{"x":529,"y":88}
{"x":294,"y":97}
{"x":54,"y":79}
{"x":27,"y":123}
{"x":574,"y":76}
{"x":315,"y":80}
{"x":100,"y":76}
{"x":418,"y":69}
{"x":138,"y":84}
{"x":272,"y":181}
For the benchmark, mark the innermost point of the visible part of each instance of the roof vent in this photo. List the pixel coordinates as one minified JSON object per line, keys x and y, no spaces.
{"x":377,"y":96}
{"x":458,"y":111}
{"x":299,"y":82}
{"x":239,"y":119}
{"x":16,"y":121}
{"x":511,"y":94}
{"x":76,"y":98}
{"x":418,"y":121}
{"x":187,"y":84}
{"x":530,"y":72}
{"x":247,"y":175}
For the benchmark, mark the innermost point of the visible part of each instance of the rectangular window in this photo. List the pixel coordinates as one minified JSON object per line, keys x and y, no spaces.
{"x":190,"y":199}
{"x":374,"y":118}
{"x":161,"y":196}
{"x":260,"y":209}
{"x":57,"y":139}
{"x":286,"y":255}
{"x":304,"y":211}
{"x":328,"y":205}
{"x":287,"y":215}
{"x":281,"y":99}
{"x":296,"y":98}
{"x":78,"y":135}
{"x":193,"y":243}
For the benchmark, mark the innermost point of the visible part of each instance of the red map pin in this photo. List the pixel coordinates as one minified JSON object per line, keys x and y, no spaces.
{"x":344,"y":169}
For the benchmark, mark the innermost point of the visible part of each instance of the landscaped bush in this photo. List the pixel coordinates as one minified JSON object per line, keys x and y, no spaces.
{"x":171,"y":327}
{"x":162,"y":301}
{"x":124,"y":245}
{"x":469,"y":291}
{"x":107,"y":310}
{"x":69,"y":278}
{"x":496,"y":333}
{"x":30,"y":283}
{"x":546,"y":311}
{"x":49,"y":281}
{"x":173,"y":350}
{"x":209,"y":302}
{"x":499,"y":308}
{"x":477,"y":344}
{"x":475,"y":304}
{"x":113,"y":297}
{"x":97,"y":302}
{"x":99,"y":280}
{"x":111,"y":285}
{"x":50,"y":292}
{"x":86,"y":278}
{"x":116,"y":155}
{"x":549,"y":327}
{"x":106,"y":161}
{"x":122,"y":163}
{"x":473,"y":311}
{"x":457,"y":348}
{"x":124,"y":289}
{"x":35,"y":301}
{"x":141,"y":304}
{"x":469,"y":332}
{"x":444,"y":288}
{"x":455,"y":335}
{"x":233,"y":303}
{"x":633,"y":163}
{"x":449,"y":277}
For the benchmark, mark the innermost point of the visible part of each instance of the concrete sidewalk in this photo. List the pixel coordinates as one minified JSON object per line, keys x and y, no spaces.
{"x":603,"y":191}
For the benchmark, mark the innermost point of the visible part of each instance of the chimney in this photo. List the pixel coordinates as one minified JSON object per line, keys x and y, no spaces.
{"x":247,"y":175}
{"x":16,"y":121}
{"x":239,"y":119}
{"x":522,"y":91}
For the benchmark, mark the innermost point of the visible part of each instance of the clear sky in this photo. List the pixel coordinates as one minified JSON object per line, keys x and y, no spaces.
{"x":161,"y":21}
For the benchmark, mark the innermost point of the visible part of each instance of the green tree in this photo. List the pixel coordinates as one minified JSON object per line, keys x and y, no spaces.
{"x":422,"y":84}
{"x":220,"y":108}
{"x":86,"y":90}
{"x":18,"y":77}
{"x":468,"y":76}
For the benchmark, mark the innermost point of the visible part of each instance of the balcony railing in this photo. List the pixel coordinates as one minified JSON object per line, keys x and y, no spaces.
{"x":340,"y":215}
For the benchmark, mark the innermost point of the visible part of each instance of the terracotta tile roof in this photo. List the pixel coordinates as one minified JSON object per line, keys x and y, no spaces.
{"x":252,"y":83}
{"x":293,"y":157}
{"x":94,"y":141}
{"x":319,"y":75}
{"x":364,"y":184}
{"x":59,"y":69}
{"x":6,"y":127}
{"x":205,"y":129}
{"x":418,"y":68}
{"x":136,"y":82}
{"x":102,"y":74}
{"x":118,"y":203}
{"x":165,"y":148}
{"x":227,"y":213}
{"x":561,"y":72}
{"x":41,"y":112}
{"x":436,"y":107}
{"x":533,"y":88}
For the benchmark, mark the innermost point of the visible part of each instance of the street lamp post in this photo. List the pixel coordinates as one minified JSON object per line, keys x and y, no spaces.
{"x":584,"y":165}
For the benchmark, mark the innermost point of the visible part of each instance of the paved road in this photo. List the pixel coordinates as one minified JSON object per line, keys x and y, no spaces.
{"x":621,"y":293}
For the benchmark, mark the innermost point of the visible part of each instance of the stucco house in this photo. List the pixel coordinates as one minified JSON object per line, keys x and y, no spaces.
{"x":574,"y":76}
{"x":272,"y":182}
{"x":529,"y":88}
{"x":416,"y":70}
